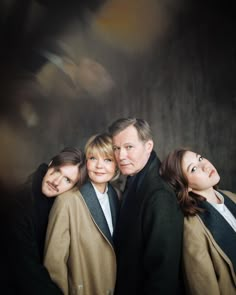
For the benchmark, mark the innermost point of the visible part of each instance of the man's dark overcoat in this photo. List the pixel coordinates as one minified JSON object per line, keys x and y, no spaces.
{"x":148,"y":237}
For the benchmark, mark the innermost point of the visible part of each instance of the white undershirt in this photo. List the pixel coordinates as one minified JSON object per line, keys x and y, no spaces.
{"x":104,"y":202}
{"x":224,"y":211}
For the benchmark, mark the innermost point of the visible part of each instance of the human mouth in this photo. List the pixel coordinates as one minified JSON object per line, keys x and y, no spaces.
{"x":124,"y":165}
{"x":52,"y":186}
{"x":99,"y":173}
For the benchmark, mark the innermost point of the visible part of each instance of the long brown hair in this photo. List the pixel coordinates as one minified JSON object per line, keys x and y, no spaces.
{"x":172,"y":172}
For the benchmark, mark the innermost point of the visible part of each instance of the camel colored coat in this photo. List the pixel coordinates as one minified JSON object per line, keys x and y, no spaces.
{"x":79,"y":254}
{"x":207,"y":269}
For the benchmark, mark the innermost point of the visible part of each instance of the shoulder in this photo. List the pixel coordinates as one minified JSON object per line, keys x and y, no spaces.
{"x":155,"y":187}
{"x":229,"y":194}
{"x":195,"y":229}
{"x":192,"y":222}
{"x":113,"y":189}
{"x":68,"y":197}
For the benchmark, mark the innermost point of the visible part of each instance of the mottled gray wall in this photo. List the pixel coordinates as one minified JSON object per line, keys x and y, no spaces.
{"x":181,"y":79}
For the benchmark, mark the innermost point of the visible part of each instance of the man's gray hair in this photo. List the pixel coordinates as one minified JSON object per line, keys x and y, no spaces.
{"x":142,"y":127}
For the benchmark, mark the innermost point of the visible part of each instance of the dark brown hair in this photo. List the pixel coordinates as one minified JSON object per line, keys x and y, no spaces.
{"x":73,"y":156}
{"x":172,"y":172}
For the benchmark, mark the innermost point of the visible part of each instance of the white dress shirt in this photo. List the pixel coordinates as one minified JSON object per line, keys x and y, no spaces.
{"x":103,"y":199}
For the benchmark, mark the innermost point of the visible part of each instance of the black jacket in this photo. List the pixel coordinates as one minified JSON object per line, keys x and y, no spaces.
{"x":25,"y":222}
{"x":148,"y":236}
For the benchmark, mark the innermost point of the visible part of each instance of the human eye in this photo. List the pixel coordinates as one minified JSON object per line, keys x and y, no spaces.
{"x":92,"y":158}
{"x":67,"y":179}
{"x":129,"y":147}
{"x":115,"y":148}
{"x":200,"y":158}
{"x":193,"y":169}
{"x":108,"y":160}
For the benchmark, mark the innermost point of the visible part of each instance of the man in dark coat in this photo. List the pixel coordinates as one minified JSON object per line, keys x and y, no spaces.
{"x":26,"y":218}
{"x":148,"y":236}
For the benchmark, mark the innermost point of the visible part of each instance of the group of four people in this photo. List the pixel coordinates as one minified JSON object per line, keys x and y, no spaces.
{"x":171,"y":231}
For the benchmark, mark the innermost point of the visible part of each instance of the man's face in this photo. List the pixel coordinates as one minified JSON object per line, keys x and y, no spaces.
{"x":58,"y":180}
{"x":131,"y":153}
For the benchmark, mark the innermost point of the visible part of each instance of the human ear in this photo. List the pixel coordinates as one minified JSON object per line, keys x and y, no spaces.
{"x":149,"y":145}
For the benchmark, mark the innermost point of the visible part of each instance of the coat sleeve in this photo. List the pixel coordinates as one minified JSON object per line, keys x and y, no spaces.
{"x":200,"y":276}
{"x":57,"y":243}
{"x":27,"y":273}
{"x":163,"y":231}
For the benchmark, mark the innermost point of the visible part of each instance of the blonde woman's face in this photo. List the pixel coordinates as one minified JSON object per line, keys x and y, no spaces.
{"x":101,"y":169}
{"x":200,"y":173}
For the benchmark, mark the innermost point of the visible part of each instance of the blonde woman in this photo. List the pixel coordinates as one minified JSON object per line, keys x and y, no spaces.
{"x":79,"y":253}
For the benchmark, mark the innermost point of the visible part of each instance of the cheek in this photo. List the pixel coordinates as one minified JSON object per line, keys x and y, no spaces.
{"x":198,"y":180}
{"x":113,"y":169}
{"x":89,"y":165}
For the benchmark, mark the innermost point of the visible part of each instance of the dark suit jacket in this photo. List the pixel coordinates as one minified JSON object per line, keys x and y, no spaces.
{"x":148,"y":236}
{"x":26,"y":215}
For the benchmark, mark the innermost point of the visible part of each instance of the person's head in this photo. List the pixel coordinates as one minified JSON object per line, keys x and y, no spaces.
{"x":132,"y":144}
{"x":65,"y":170}
{"x":191,"y":176}
{"x":101,"y":163}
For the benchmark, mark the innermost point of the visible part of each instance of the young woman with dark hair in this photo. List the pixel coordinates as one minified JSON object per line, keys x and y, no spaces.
{"x":209,"y":256}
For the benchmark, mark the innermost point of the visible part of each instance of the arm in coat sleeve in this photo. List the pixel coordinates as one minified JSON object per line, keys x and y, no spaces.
{"x":200,"y":276}
{"x":28,"y":275}
{"x":163,"y":232}
{"x":57,"y":244}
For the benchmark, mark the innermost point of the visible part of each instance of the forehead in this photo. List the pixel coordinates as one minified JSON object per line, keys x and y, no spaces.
{"x":100,"y":151}
{"x":188,"y":158}
{"x":128,"y":135}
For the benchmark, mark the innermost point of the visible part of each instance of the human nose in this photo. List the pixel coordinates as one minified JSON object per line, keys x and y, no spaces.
{"x":99,"y":163}
{"x":206,"y":167}
{"x":122,"y":153}
{"x":57,"y":180}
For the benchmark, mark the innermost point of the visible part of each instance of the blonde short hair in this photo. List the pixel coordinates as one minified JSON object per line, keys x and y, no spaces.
{"x":101,"y":143}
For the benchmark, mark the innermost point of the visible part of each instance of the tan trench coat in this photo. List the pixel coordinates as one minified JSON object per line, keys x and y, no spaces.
{"x":74,"y":242}
{"x":207,"y":269}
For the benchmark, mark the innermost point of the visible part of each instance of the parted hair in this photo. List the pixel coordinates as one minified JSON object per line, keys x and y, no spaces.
{"x":142,"y":127}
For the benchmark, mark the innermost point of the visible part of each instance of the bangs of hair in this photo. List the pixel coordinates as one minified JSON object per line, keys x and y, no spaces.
{"x":100,"y":144}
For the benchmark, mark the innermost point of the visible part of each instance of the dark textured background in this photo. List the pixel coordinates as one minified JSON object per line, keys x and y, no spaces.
{"x":172,"y":63}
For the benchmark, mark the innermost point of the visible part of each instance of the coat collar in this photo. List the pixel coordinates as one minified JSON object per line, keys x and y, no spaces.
{"x":91,"y":200}
{"x":221,"y":231}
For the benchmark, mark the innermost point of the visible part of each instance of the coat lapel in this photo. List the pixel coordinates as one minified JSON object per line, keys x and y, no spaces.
{"x":95,"y":209}
{"x":221,"y":231}
{"x":114,"y":204}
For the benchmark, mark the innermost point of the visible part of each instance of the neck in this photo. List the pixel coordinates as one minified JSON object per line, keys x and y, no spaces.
{"x":210,"y":195}
{"x":101,"y":187}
